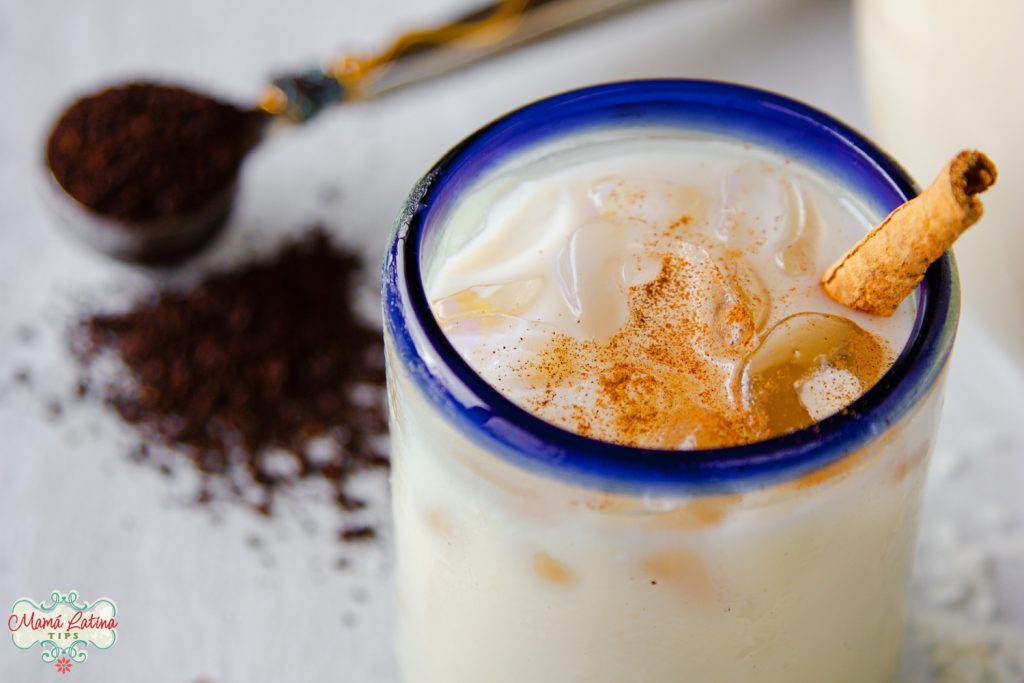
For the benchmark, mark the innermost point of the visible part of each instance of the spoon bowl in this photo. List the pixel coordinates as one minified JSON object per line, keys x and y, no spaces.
{"x":165,"y":240}
{"x":147,"y":172}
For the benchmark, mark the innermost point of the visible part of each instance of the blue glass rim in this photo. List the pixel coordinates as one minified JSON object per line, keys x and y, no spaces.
{"x":488,"y":418}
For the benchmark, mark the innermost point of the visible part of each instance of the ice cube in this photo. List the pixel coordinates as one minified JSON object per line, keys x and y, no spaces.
{"x":795,"y":255}
{"x":656,"y":202}
{"x":753,"y":207}
{"x":639,"y":267}
{"x":826,"y":390}
{"x":763,"y":211}
{"x":521,"y":233}
{"x":511,"y":298}
{"x":733,"y":325}
{"x":808,"y":366}
{"x":712,"y":298}
{"x":590,"y":268}
{"x":750,"y":289}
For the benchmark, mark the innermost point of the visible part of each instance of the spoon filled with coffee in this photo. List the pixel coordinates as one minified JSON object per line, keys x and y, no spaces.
{"x":147,"y":172}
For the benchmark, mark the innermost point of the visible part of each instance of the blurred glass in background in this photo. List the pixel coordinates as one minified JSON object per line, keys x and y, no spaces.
{"x":941,"y":75}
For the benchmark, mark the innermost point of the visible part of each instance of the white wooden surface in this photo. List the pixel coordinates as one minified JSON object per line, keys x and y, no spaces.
{"x":198,"y":596}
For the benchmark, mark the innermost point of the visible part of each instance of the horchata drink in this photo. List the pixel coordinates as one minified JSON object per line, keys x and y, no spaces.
{"x":633,"y":440}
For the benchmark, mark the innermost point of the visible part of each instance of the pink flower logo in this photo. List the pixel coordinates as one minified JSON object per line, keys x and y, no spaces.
{"x":63,"y":665}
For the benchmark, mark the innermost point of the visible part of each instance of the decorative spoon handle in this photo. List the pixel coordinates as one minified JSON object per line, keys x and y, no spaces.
{"x":420,"y":55}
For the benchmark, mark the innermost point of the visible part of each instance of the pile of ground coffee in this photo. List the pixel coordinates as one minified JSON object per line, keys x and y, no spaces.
{"x":261,"y":376}
{"x":143,"y":151}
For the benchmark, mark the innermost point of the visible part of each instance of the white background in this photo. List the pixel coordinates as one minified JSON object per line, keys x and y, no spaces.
{"x":224,"y":596}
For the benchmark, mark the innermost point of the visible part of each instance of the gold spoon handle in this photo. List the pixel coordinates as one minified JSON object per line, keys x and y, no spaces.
{"x":420,"y":55}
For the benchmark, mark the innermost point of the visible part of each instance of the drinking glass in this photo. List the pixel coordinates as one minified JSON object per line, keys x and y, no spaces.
{"x":529,"y":553}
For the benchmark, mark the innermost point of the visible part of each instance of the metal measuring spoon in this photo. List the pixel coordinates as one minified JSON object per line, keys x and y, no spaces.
{"x":414,"y":57}
{"x":147,"y":172}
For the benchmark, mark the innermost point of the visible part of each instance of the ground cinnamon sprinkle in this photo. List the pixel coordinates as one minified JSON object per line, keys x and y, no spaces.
{"x":662,"y":322}
{"x":653,"y":385}
{"x":696,"y":365}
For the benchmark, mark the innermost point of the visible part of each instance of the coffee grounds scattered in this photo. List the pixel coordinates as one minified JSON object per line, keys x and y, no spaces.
{"x":260,"y":377}
{"x":143,"y":151}
{"x":357,"y":533}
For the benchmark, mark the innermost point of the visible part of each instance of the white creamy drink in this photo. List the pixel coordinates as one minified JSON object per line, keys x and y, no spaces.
{"x":657,"y":289}
{"x":644,"y":292}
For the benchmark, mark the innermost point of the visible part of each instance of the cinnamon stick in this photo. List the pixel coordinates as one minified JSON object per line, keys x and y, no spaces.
{"x":884,"y":268}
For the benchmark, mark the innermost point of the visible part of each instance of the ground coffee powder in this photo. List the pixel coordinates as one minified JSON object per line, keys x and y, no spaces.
{"x":143,"y":151}
{"x":260,"y":377}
